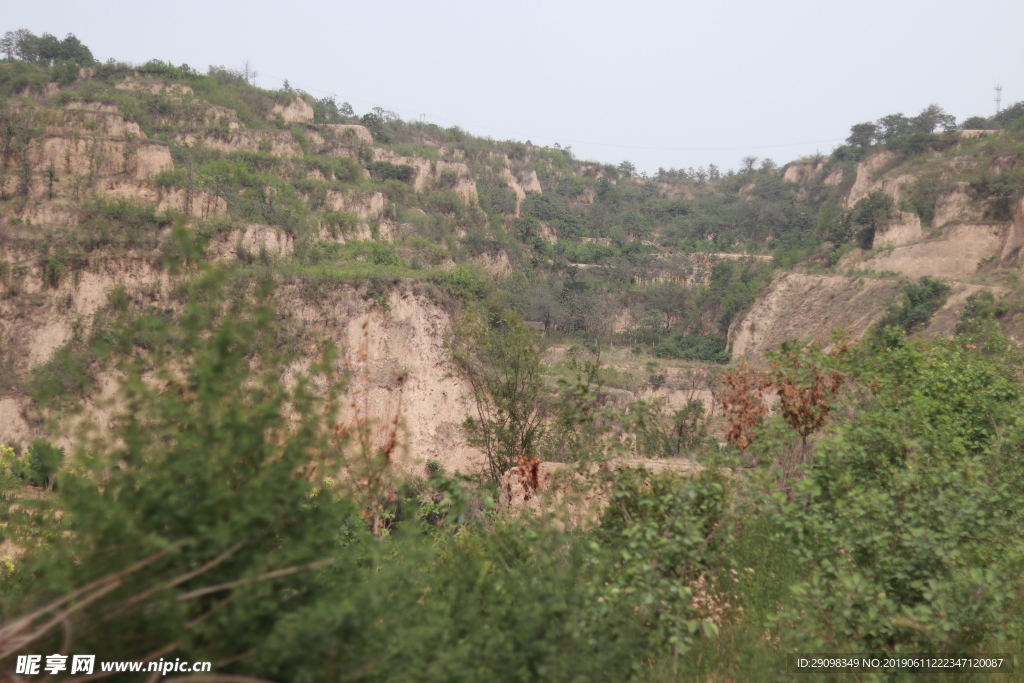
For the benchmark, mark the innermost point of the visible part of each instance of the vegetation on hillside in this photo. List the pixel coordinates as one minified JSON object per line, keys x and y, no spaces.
{"x":599,"y":240}
{"x":879,"y":518}
{"x":231,"y":509}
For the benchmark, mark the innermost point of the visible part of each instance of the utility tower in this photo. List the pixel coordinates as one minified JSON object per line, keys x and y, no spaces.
{"x":999,"y":98}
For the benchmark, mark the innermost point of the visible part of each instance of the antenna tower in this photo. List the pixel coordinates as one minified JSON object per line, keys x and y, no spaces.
{"x":999,"y":98}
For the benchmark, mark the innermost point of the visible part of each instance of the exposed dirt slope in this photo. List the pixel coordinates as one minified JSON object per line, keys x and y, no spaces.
{"x":956,"y":254}
{"x":808,"y":307}
{"x":379,"y":346}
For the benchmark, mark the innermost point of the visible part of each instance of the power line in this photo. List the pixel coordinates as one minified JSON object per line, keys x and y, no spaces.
{"x":418,"y":113}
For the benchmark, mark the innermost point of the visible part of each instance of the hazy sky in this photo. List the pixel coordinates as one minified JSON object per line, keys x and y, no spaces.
{"x":659,"y":83}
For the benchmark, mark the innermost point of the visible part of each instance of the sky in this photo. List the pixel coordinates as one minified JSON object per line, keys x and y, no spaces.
{"x":658,"y":83}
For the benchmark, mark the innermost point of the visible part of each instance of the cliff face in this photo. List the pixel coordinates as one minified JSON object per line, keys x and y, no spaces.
{"x":809,"y":307}
{"x":57,"y":275}
{"x":962,"y":241}
{"x":404,"y":338}
{"x":398,"y":367}
{"x":940,"y":225}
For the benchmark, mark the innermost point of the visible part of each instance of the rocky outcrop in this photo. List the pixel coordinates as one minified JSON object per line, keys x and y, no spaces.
{"x":870,"y":179}
{"x":349,"y":131}
{"x":1011,"y":252}
{"x":155,"y":87}
{"x":194,"y":203}
{"x":395,"y":358}
{"x":398,"y":368}
{"x":809,"y":307}
{"x":275,"y":142}
{"x":903,"y":228}
{"x":802,"y":173}
{"x":296,"y":111}
{"x":956,"y":255}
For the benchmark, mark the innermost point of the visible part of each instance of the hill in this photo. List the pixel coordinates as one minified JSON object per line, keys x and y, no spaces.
{"x":101,"y":163}
{"x":295,"y":394}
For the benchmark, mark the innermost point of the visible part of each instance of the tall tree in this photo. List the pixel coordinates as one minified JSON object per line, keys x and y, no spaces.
{"x":862,"y":134}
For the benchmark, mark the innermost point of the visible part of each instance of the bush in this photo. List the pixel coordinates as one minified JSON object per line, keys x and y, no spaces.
{"x":902,"y":517}
{"x":671,"y":534}
{"x":919,"y":302}
{"x":924,"y":194}
{"x":868,"y":215}
{"x":341,"y":169}
{"x":708,"y":348}
{"x":980,"y":307}
{"x":1001,"y":190}
{"x":121,"y":223}
{"x":44,"y":460}
{"x":497,"y":199}
{"x":68,"y":373}
{"x":14,"y":470}
{"x":384,"y":170}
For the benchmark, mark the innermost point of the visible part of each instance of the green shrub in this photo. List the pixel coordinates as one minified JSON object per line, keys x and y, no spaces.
{"x":497,"y":199}
{"x":15,"y":469}
{"x":919,"y":302}
{"x":923,"y":195}
{"x":68,"y":373}
{"x":868,"y":215}
{"x":385,"y":170}
{"x":341,"y":169}
{"x":670,"y":533}
{"x":376,"y":253}
{"x":45,"y":460}
{"x":709,"y":348}
{"x":980,"y":307}
{"x":1002,"y":191}
{"x":121,"y":223}
{"x":902,"y":518}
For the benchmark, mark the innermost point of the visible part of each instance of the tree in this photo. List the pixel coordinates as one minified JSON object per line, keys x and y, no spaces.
{"x":201,"y":517}
{"x":742,"y":400}
{"x":981,"y":307}
{"x":976,"y":123}
{"x":906,"y":522}
{"x":47,"y":48}
{"x":747,"y":164}
{"x":807,"y":382}
{"x":386,"y":115}
{"x":626,"y":169}
{"x":248,"y":72}
{"x":931,"y":117}
{"x":17,"y":44}
{"x":1009,"y":114}
{"x":577,"y":302}
{"x":919,"y":302}
{"x":862,"y":134}
{"x":72,"y":49}
{"x":893,"y":126}
{"x":501,"y":361}
{"x":867,"y":216}
{"x":45,"y":460}
{"x":8,"y":43}
{"x":346,"y":109}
